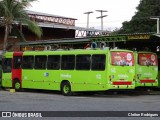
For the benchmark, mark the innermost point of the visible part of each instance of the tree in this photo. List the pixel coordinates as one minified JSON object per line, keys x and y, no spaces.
{"x":13,"y":12}
{"x":141,"y":21}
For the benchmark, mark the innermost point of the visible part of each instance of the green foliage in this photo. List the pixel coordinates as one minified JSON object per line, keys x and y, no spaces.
{"x":141,"y":21}
{"x":13,"y":12}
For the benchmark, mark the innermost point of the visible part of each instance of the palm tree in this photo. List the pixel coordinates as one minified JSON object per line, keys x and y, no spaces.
{"x":13,"y":12}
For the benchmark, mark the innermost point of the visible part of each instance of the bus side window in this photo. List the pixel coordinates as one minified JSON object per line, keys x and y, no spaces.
{"x":7,"y":65}
{"x":28,"y":62}
{"x":40,"y":62}
{"x":68,"y":62}
{"x":83,"y":62}
{"x":98,"y":62}
{"x":17,"y":62}
{"x":53,"y":62}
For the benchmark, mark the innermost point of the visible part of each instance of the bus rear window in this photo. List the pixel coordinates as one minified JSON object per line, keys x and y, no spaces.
{"x":119,"y":58}
{"x":147,"y":59}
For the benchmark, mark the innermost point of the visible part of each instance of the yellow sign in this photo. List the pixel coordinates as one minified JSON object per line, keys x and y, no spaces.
{"x":133,"y":37}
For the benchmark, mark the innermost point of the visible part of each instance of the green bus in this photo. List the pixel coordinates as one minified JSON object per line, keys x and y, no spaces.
{"x":146,"y":69}
{"x":1,"y":52}
{"x":69,"y":71}
{"x":158,"y":56}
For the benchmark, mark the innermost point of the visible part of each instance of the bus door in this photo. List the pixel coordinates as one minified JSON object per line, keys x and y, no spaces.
{"x":16,"y":68}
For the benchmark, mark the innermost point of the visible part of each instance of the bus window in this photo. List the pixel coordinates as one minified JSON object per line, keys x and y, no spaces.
{"x":146,"y":59}
{"x":17,"y":60}
{"x":28,"y":62}
{"x":7,"y":65}
{"x":68,"y":62}
{"x":98,"y":62}
{"x":40,"y":62}
{"x":122,"y":58}
{"x":53,"y":62}
{"x":83,"y":62}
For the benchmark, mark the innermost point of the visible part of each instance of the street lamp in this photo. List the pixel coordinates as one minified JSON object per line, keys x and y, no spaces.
{"x":88,"y":17}
{"x":156,"y":18}
{"x":102,"y":16}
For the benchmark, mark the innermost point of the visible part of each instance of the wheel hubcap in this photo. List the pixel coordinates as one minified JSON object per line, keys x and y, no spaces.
{"x":17,"y":86}
{"x":66,"y":89}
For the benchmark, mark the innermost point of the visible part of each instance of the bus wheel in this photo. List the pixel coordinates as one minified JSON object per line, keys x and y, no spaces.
{"x":66,"y":88}
{"x":17,"y":85}
{"x":3,"y":88}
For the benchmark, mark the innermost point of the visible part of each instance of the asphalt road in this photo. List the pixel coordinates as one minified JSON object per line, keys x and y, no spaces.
{"x":53,"y":101}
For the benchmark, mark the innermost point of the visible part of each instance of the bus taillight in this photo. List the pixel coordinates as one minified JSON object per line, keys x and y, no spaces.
{"x":147,"y":81}
{"x":122,"y":83}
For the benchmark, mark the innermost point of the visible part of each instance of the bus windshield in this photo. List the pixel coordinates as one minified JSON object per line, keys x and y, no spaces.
{"x":147,"y":59}
{"x":122,"y":58}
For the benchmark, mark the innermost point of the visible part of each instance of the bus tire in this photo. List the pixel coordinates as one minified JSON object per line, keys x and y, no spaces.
{"x":66,"y":88}
{"x":3,"y":88}
{"x":102,"y":45}
{"x":17,"y":85}
{"x":93,"y":45}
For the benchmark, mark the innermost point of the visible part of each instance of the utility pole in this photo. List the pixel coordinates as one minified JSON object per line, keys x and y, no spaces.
{"x":156,"y":18}
{"x":88,"y":17}
{"x":102,"y":16}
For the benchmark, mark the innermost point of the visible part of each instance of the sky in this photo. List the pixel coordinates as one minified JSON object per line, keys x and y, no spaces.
{"x":118,"y":11}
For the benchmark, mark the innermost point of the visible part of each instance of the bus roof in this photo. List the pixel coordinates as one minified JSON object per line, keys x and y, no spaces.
{"x":144,"y":52}
{"x":74,"y":51}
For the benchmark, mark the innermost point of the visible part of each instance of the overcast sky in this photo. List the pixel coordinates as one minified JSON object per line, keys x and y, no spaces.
{"x":118,"y":11}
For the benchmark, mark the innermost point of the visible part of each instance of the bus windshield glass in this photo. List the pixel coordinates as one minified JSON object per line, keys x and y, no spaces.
{"x":147,"y":59}
{"x":122,"y":58}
